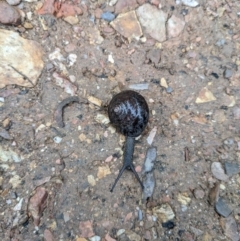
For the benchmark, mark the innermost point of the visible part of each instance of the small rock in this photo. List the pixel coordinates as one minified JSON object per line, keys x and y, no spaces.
{"x":164,"y":212}
{"x":127,"y":25}
{"x":125,"y":5}
{"x":112,"y":2}
{"x":168,"y":225}
{"x":149,"y":184}
{"x":37,"y":203}
{"x":91,"y":180}
{"x":227,"y":73}
{"x":108,"y":16}
{"x":151,"y":135}
{"x":153,"y":20}
{"x":163,"y":83}
{"x":71,"y":20}
{"x":199,"y":193}
{"x":64,"y":83}
{"x":231,"y":228}
{"x":120,"y":232}
{"x":57,"y":139}
{"x":142,"y":86}
{"x":132,"y":235}
{"x":71,"y":59}
{"x":13,"y":2}
{"x":103,"y":172}
{"x":9,"y":14}
{"x":86,"y":229}
{"x":48,"y":236}
{"x":18,"y":207}
{"x":95,"y":238}
{"x":21,"y":56}
{"x":27,"y":25}
{"x":15,"y":181}
{"x":190,"y":3}
{"x":95,"y":37}
{"x":218,"y":171}
{"x":231,"y":168}
{"x":95,"y":101}
{"x":169,"y":90}
{"x":150,"y":158}
{"x":175,"y":26}
{"x":183,"y":198}
{"x":9,"y":155}
{"x":228,"y":100}
{"x":222,"y":208}
{"x":103,"y":119}
{"x":220,"y":42}
{"x":204,"y":96}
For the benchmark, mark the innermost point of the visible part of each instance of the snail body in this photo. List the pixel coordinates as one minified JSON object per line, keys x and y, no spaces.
{"x":128,"y":113}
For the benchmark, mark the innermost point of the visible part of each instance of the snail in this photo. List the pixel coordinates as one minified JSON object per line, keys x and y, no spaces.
{"x":128,"y":113}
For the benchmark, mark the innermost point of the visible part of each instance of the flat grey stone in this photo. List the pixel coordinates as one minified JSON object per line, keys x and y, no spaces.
{"x":222,"y":208}
{"x":231,"y":168}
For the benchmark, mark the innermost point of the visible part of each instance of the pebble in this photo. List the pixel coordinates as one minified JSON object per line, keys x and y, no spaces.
{"x":122,"y":25}
{"x":125,"y":5}
{"x":190,"y":3}
{"x":204,"y":96}
{"x":12,"y":54}
{"x":86,"y":229}
{"x":9,"y":14}
{"x":175,"y":26}
{"x":222,"y":208}
{"x":142,"y":86}
{"x":150,"y":159}
{"x":231,"y":168}
{"x":108,"y":16}
{"x":164,"y":212}
{"x":73,"y":20}
{"x":103,"y":171}
{"x":153,"y":20}
{"x":95,"y":238}
{"x":48,"y":236}
{"x":231,"y":228}
{"x":227,"y":73}
{"x":183,"y":198}
{"x":91,"y":180}
{"x":199,"y":193}
{"x":163,"y":83}
{"x":120,"y":232}
{"x":169,"y":90}
{"x":151,"y":135}
{"x":13,"y":2}
{"x":220,"y":42}
{"x":9,"y":155}
{"x":132,"y":235}
{"x":168,"y":225}
{"x":218,"y":171}
{"x":57,"y":139}
{"x":149,"y":184}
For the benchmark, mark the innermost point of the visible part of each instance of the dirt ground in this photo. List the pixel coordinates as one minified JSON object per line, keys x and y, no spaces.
{"x":192,"y":85}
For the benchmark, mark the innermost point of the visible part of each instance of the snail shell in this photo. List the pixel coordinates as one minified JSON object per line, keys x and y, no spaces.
{"x":129,"y":113}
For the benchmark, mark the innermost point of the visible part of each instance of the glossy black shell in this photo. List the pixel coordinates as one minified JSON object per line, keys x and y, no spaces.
{"x":128,"y":112}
